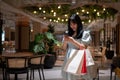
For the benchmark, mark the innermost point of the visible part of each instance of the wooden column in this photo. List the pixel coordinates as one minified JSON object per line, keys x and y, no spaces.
{"x":22,"y":36}
{"x":118,"y":36}
{"x":1,"y":23}
{"x":118,"y":39}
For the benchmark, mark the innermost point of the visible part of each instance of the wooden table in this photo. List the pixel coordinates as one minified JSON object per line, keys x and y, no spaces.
{"x":18,"y":54}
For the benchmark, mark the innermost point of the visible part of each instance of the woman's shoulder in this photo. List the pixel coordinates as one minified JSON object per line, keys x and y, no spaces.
{"x":86,"y":36}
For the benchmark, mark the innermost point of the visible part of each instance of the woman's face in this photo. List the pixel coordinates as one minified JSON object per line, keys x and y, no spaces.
{"x":73,"y":26}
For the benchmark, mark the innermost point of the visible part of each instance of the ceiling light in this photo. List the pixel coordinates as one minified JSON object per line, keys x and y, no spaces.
{"x":77,"y":13}
{"x":59,"y":6}
{"x":98,"y":14}
{"x":62,"y":20}
{"x":44,"y":11}
{"x":66,"y":15}
{"x":63,"y":11}
{"x":73,"y":1}
{"x":66,"y":19}
{"x":50,"y":20}
{"x":58,"y":18}
{"x":52,"y":10}
{"x":104,"y":9}
{"x":89,"y":21}
{"x":83,"y":10}
{"x":87,"y":12}
{"x":94,"y":10}
{"x":40,"y":8}
{"x":82,"y":22}
{"x":34,"y":12}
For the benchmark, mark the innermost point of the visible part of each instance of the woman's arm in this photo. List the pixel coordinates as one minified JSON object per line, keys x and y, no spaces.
{"x":64,"y":45}
{"x":76,"y":43}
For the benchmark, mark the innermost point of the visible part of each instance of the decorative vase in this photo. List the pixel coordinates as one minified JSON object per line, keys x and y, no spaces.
{"x":49,"y":61}
{"x":109,"y":54}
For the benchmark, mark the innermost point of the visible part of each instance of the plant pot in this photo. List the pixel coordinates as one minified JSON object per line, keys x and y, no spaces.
{"x":109,"y":54}
{"x":49,"y":61}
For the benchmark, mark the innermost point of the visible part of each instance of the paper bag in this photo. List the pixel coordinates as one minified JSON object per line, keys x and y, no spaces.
{"x":89,"y":59}
{"x":76,"y":63}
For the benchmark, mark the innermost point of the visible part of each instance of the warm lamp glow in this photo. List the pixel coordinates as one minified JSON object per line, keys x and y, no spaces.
{"x":44,"y":11}
{"x":94,"y":10}
{"x":104,"y":9}
{"x":83,"y":10}
{"x":98,"y":14}
{"x":59,"y":6}
{"x":61,"y":12}
{"x":40,"y":8}
{"x":34,"y":12}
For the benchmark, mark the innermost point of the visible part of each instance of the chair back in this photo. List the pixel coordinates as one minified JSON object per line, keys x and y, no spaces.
{"x":1,"y":63}
{"x":116,"y":61}
{"x":0,"y":60}
{"x":36,"y":59}
{"x":16,"y":62}
{"x":103,"y":54}
{"x":36,"y":62}
{"x":103,"y":51}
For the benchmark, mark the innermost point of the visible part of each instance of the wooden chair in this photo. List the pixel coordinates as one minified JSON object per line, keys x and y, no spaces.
{"x":36,"y":62}
{"x":101,"y":55}
{"x":16,"y":65}
{"x":2,"y":66}
{"x":115,"y":64}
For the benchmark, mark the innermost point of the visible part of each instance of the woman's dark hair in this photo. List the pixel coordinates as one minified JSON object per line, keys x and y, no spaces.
{"x":75,"y":19}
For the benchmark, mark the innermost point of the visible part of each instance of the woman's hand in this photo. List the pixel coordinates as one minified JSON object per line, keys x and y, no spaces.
{"x":82,"y":46}
{"x":72,"y":40}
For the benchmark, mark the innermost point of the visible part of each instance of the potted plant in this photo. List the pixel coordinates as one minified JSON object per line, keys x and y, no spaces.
{"x":44,"y":44}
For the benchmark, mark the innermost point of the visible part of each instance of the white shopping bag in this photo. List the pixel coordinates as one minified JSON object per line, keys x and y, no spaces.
{"x":76,"y":63}
{"x":89,"y":59}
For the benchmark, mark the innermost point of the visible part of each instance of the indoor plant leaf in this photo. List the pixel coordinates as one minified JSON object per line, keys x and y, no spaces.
{"x":49,"y":35}
{"x":39,"y":48}
{"x":39,"y":37}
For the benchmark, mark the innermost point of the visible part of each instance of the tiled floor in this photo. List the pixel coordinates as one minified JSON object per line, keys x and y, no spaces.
{"x":55,"y":73}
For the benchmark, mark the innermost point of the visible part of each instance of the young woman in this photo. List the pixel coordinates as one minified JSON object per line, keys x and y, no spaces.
{"x":73,"y":40}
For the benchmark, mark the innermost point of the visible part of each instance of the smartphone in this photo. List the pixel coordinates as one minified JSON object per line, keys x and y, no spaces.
{"x":66,"y":33}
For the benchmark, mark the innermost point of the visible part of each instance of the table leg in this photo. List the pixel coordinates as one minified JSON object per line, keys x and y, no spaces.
{"x":16,"y":77}
{"x":3,"y":72}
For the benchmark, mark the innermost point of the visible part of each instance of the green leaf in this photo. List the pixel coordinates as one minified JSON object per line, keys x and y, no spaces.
{"x":38,"y":38}
{"x":49,"y":35}
{"x":39,"y":47}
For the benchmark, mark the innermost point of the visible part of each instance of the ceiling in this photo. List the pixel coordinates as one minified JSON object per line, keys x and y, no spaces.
{"x":15,"y":7}
{"x":74,"y":3}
